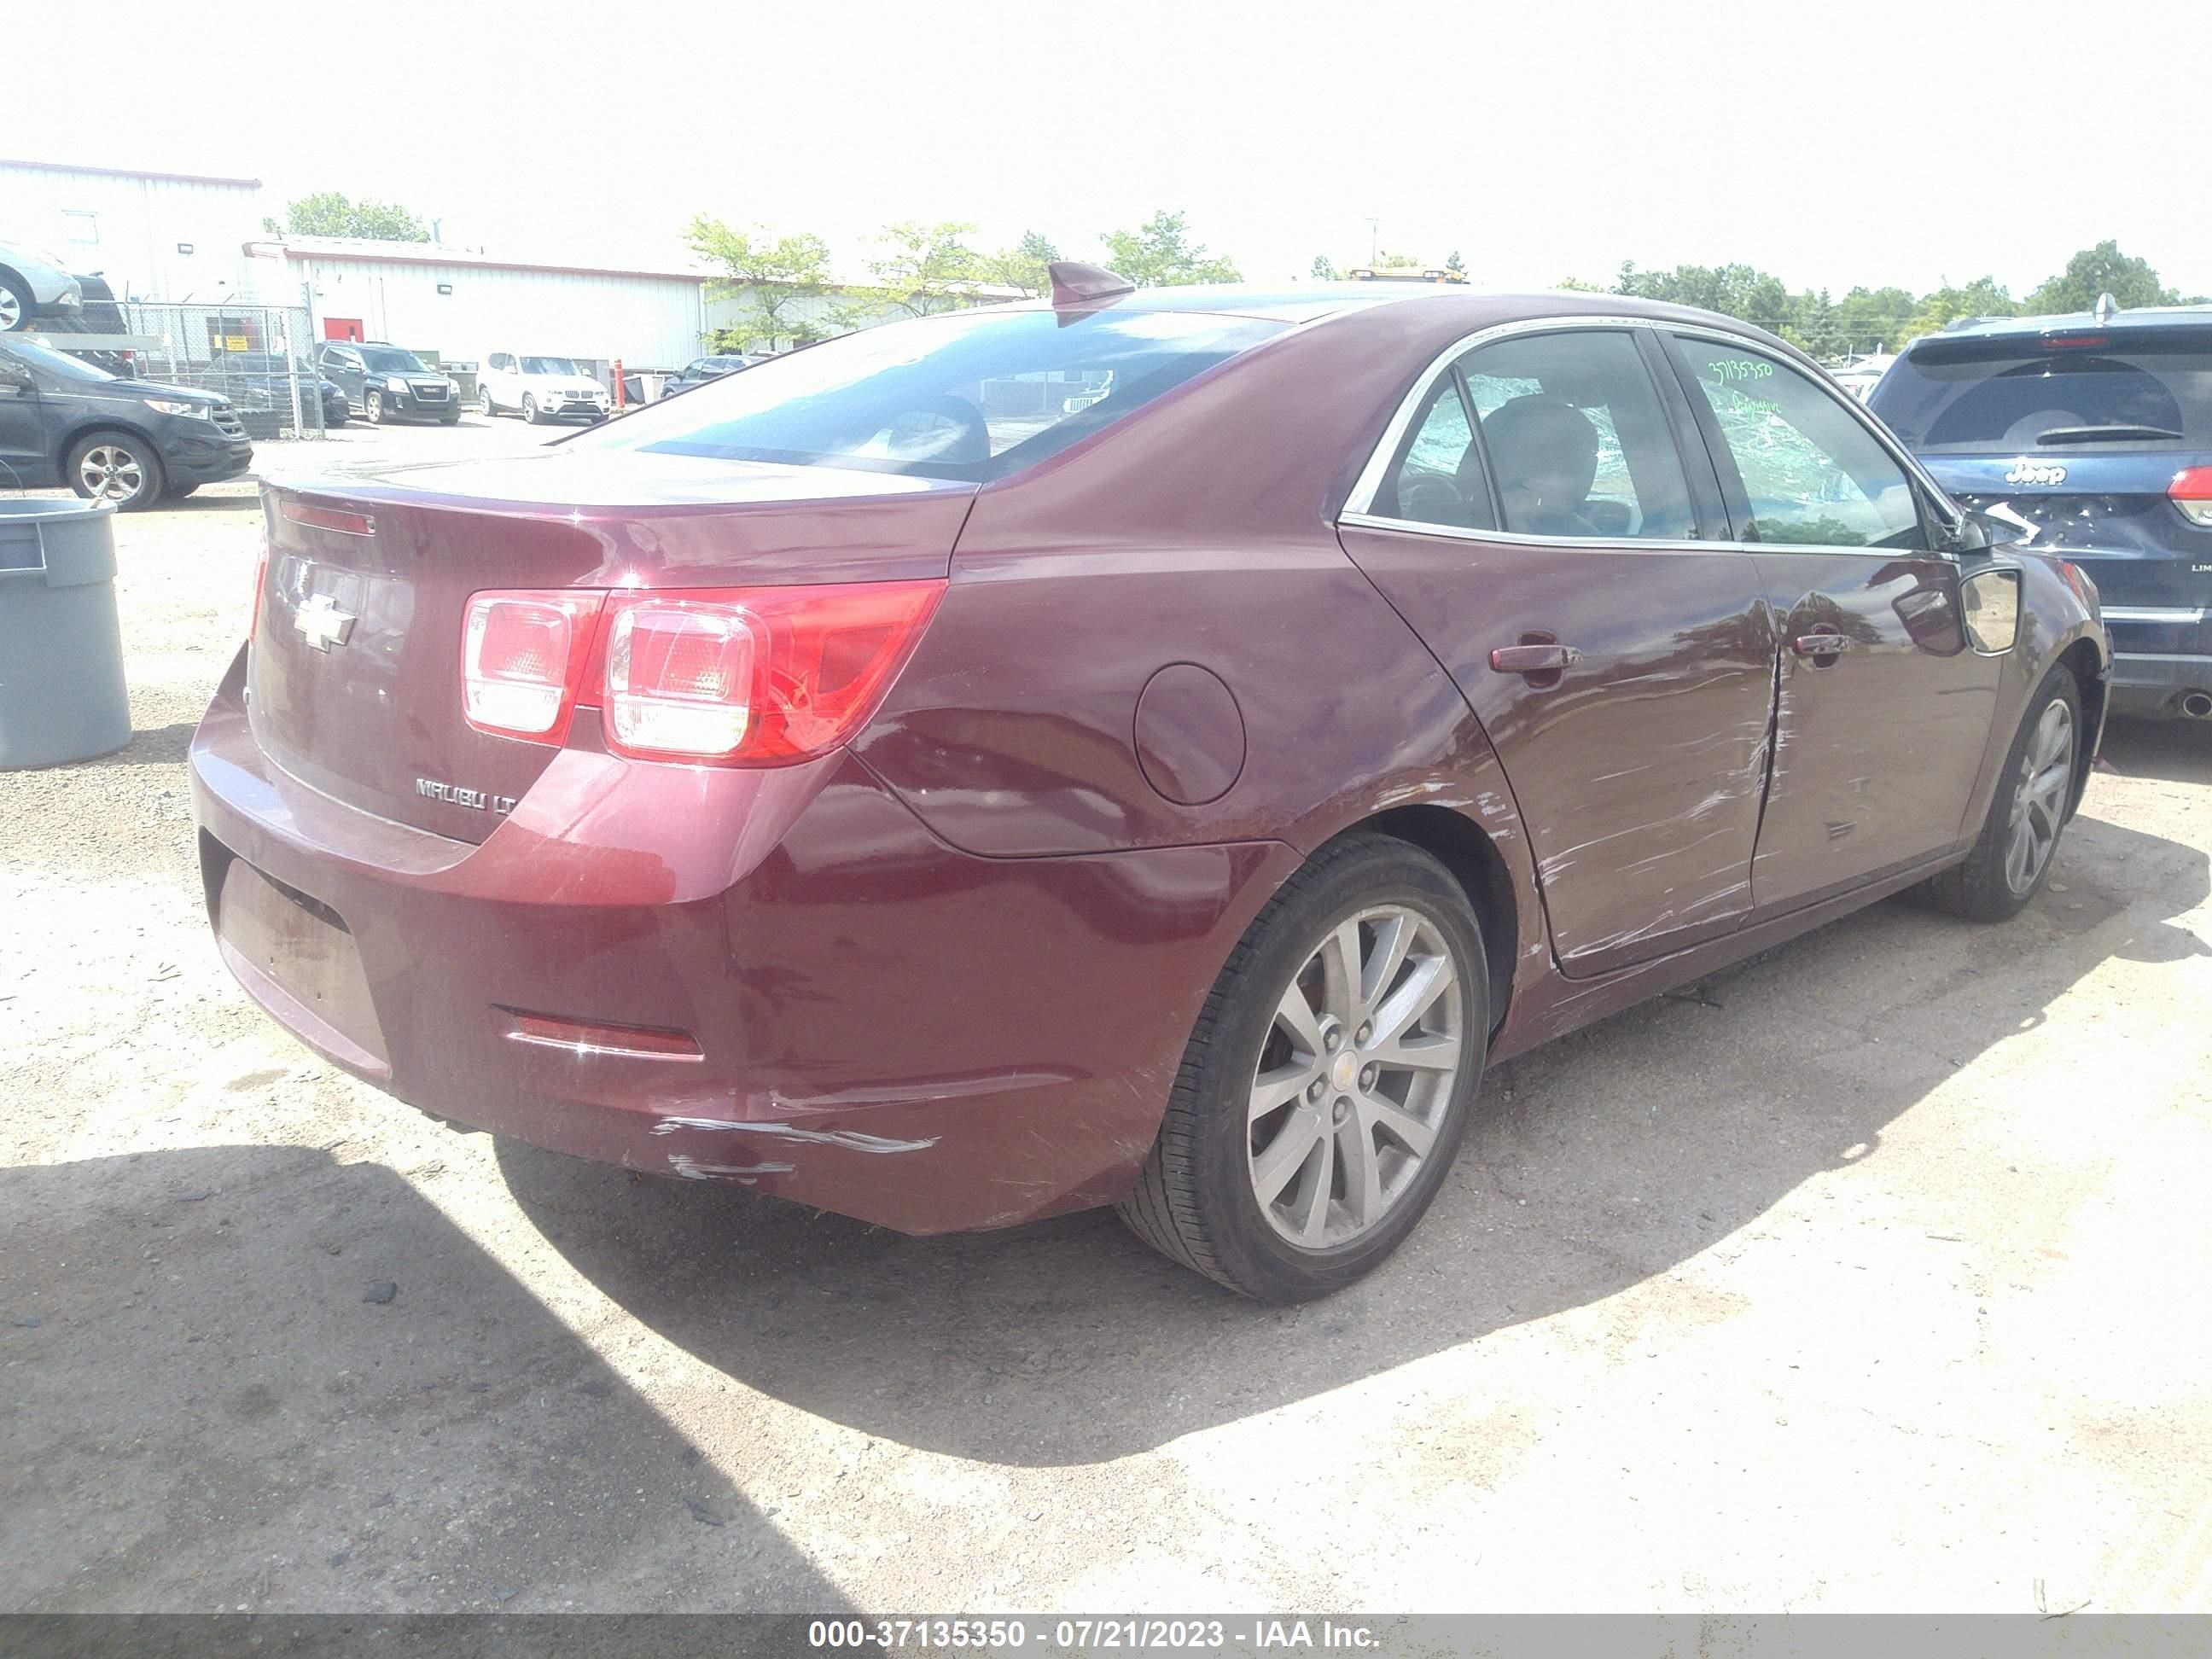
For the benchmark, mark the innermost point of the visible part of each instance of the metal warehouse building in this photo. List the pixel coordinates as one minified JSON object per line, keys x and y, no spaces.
{"x":172,"y":236}
{"x":464,"y":306}
{"x":195,"y":239}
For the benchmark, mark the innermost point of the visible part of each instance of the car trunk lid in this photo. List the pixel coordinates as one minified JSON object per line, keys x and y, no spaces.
{"x":355,"y":683}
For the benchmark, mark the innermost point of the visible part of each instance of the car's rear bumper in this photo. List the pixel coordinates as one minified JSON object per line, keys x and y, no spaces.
{"x":2160,"y":655}
{"x":889,"y":1028}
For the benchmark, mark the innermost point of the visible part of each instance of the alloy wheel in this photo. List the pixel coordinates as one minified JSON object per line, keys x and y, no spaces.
{"x":373,"y":406}
{"x":110,"y":472}
{"x":2038,"y":801}
{"x":11,"y":311}
{"x":1354,"y":1077}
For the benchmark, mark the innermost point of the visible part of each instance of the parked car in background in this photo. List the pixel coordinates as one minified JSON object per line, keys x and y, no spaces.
{"x":96,"y":314}
{"x":700,"y":370}
{"x":259,"y":384}
{"x":63,"y":420}
{"x":2093,"y":433}
{"x":871,"y":780}
{"x":539,"y":389}
{"x":383,"y":382}
{"x":34,"y":285}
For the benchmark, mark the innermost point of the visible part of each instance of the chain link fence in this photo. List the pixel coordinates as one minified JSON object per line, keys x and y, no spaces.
{"x":260,"y":357}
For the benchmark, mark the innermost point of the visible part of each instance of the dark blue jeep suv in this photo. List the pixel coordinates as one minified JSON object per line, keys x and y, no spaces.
{"x":2091,"y":433}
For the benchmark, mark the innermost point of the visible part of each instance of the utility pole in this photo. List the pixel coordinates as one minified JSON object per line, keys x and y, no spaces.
{"x":1374,"y":240}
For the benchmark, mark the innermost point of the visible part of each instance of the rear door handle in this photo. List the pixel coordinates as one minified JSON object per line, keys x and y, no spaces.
{"x":1820,"y":645}
{"x":1534,"y":659}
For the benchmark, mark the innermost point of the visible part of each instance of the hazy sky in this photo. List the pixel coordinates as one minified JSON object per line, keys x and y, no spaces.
{"x":1872,"y":141}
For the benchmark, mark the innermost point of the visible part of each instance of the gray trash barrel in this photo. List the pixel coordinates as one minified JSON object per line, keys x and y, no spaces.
{"x":62,"y":695}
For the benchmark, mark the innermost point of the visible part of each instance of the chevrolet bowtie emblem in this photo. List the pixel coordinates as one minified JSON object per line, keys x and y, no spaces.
{"x":321,"y":624}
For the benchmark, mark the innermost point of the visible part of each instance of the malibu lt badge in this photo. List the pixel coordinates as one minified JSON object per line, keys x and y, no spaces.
{"x":455,"y":795}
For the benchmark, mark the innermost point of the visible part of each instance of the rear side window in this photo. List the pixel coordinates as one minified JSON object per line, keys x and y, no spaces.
{"x":1577,"y":442}
{"x":1810,"y":473}
{"x":973,"y":396}
{"x":1438,"y":477}
{"x":1969,"y":397}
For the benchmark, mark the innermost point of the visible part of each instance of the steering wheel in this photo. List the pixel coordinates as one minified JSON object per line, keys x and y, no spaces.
{"x":1429,"y":497}
{"x":944,"y":428}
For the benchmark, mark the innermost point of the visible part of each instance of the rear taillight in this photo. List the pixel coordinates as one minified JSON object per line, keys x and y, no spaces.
{"x":2191,"y":491}
{"x":736,"y":677}
{"x":522,"y":660}
{"x":758,"y":677}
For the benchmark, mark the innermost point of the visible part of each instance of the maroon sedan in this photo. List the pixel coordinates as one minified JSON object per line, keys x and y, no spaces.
{"x":1140,"y":748}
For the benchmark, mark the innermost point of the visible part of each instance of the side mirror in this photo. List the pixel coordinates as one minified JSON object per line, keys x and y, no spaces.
{"x":16,"y":377}
{"x":1990,"y":599}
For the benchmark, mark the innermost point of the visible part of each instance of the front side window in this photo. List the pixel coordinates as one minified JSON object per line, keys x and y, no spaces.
{"x":58,"y":363}
{"x":1811,"y":474}
{"x":972,"y":396}
{"x":1578,"y":440}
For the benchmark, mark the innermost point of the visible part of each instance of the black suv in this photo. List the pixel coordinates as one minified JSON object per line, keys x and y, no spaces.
{"x":383,"y":382}
{"x":700,"y":370}
{"x":131,"y":443}
{"x":2093,"y":433}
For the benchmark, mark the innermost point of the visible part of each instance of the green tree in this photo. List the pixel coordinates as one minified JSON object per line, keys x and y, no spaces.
{"x":1025,"y":265}
{"x":1159,"y":253}
{"x":1576,"y":285}
{"x":1739,"y":291}
{"x":2101,"y":269}
{"x":925,"y":268}
{"x":1811,"y":324}
{"x":1452,"y":262}
{"x":784,"y":281}
{"x":1874,"y":319}
{"x":331,"y":213}
{"x":1324,"y":269}
{"x":1983,"y":297}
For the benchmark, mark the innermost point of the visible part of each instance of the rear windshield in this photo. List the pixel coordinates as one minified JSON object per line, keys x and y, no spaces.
{"x":974,"y":396}
{"x":1963,"y":399}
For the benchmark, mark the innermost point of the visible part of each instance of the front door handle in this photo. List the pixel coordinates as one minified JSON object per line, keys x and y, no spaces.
{"x":1534,"y":659}
{"x":1819,"y":645}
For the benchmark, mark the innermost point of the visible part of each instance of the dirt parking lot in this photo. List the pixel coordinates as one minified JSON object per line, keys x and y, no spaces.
{"x":1870,"y":1276}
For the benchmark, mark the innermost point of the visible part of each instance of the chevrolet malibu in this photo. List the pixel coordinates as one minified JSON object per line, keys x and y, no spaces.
{"x":1141,"y":748}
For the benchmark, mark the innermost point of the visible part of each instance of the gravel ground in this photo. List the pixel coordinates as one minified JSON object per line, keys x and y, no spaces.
{"x":1869,"y":1279}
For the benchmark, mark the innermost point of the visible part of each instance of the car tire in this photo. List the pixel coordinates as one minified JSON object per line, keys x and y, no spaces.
{"x":118,"y":467}
{"x":485,"y":407}
{"x":1210,"y":1196}
{"x":14,"y":306}
{"x":453,"y":419}
{"x":2013,"y":856}
{"x":372,"y":407}
{"x":529,"y":409}
{"x":334,"y":418}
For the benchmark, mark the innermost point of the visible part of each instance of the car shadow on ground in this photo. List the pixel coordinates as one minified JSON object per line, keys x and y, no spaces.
{"x":1603,"y":1159}
{"x":210,"y":500}
{"x":2174,"y":752}
{"x":255,"y":1377}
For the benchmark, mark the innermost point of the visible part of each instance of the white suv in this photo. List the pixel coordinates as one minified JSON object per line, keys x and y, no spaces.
{"x":539,"y":388}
